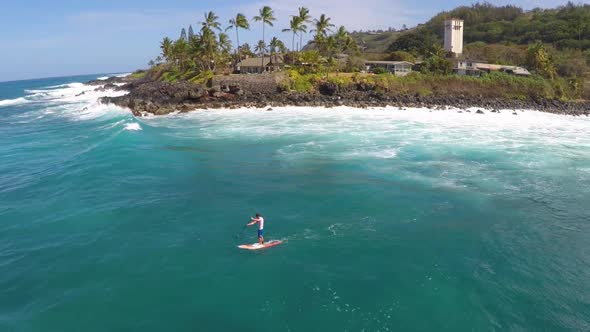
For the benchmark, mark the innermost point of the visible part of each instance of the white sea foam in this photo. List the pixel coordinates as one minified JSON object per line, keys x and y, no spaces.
{"x":445,"y":150}
{"x":14,"y":102}
{"x":92,"y":111}
{"x":367,"y":151}
{"x":74,"y":101}
{"x":133,"y":126}
{"x":441,"y":126}
{"x":69,"y":93}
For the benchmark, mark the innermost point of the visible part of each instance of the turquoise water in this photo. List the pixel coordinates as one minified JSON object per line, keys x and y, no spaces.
{"x":394,"y":220}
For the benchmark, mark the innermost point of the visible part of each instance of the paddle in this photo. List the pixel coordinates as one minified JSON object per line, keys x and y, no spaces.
{"x":241,"y":232}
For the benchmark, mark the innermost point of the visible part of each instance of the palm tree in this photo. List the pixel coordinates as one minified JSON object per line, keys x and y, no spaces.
{"x":341,"y":33}
{"x":246,"y":51}
{"x":266,"y":15}
{"x":437,"y":50}
{"x":225,"y":47}
{"x":344,"y":42}
{"x":294,"y":26}
{"x":179,"y":52}
{"x":282,"y":48}
{"x":240,"y":21}
{"x":211,"y":22}
{"x":166,"y":46}
{"x":275,"y":44}
{"x":224,"y":43}
{"x":208,"y":37}
{"x":305,"y":18}
{"x":261,"y":48}
{"x":209,"y":42}
{"x":349,"y":46}
{"x":322,"y":26}
{"x":197,"y":51}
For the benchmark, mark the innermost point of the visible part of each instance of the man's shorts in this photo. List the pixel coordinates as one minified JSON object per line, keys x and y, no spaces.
{"x":259,"y":233}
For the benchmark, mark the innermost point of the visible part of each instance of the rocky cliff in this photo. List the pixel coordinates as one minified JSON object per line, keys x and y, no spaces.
{"x":261,"y":91}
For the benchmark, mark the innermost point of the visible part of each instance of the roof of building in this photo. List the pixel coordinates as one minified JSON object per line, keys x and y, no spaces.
{"x":259,"y":62}
{"x":520,"y":71}
{"x":488,"y":66}
{"x":388,"y":62}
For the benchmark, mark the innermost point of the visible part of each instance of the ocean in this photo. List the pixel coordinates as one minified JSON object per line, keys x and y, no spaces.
{"x":393,"y":220}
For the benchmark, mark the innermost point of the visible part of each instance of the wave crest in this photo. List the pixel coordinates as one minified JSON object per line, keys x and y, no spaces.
{"x":14,"y":102}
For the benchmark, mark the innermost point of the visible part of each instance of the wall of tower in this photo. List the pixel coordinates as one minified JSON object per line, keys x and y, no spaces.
{"x":454,"y":36}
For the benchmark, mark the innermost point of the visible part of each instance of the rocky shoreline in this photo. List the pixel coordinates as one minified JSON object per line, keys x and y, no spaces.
{"x":149,"y":97}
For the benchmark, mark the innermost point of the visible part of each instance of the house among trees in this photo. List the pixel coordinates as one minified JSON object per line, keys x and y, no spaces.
{"x":473,"y":68}
{"x":399,"y":68}
{"x":258,"y":65}
{"x":461,"y":66}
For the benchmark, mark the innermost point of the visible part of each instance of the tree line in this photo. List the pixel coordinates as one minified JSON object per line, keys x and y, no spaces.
{"x":211,"y":48}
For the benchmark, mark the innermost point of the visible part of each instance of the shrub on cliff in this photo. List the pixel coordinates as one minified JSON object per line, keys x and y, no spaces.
{"x":302,"y":83}
{"x":379,"y":71}
{"x":354,"y":64}
{"x":436,"y":64}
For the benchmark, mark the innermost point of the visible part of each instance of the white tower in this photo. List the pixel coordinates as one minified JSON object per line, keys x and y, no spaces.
{"x":454,"y":36}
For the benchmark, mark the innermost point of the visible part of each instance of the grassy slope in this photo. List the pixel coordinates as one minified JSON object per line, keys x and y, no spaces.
{"x":495,"y":85}
{"x":375,"y":43}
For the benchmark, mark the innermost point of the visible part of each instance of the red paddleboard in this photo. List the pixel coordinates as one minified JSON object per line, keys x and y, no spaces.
{"x":258,"y":246}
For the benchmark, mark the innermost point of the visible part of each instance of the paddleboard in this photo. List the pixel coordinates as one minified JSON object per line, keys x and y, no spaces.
{"x":258,"y":246}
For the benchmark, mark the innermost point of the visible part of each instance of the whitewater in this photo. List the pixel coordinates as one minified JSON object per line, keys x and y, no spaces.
{"x":411,"y":220}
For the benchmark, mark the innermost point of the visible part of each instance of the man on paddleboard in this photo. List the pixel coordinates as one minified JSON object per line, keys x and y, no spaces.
{"x":258,"y":219}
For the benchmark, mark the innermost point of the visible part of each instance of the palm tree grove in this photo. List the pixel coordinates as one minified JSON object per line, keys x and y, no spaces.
{"x":211,"y":51}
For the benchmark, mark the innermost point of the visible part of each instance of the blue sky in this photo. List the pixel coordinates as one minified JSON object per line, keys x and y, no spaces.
{"x":40,"y":38}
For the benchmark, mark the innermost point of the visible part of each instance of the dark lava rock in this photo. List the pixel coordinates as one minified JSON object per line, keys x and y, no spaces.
{"x":328,"y":88}
{"x":152,"y":96}
{"x":108,"y":86}
{"x":156,"y":97}
{"x":364,"y":86}
{"x":109,"y":80}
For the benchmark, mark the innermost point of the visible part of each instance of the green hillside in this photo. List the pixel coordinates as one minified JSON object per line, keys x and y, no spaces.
{"x":503,"y":35}
{"x":565,"y":27}
{"x":375,"y":42}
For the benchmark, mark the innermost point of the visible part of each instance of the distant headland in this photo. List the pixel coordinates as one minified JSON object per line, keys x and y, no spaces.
{"x":479,"y":56}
